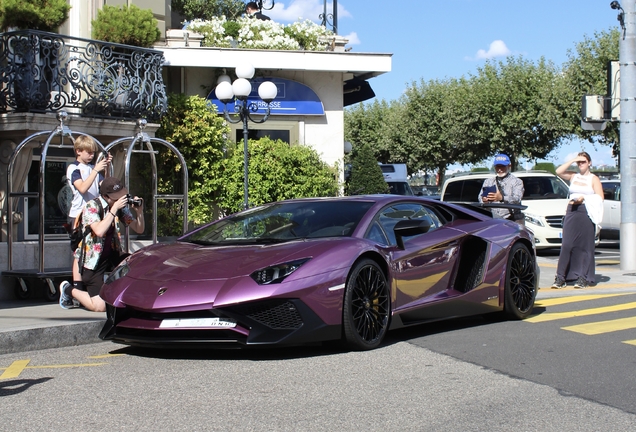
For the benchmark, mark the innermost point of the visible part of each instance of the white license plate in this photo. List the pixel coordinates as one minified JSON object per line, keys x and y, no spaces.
{"x":197,"y":323}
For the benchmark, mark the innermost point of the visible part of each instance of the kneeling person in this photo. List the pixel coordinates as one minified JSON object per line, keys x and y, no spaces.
{"x":101,"y":250}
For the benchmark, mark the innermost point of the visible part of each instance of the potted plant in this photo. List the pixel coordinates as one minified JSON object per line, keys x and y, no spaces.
{"x":44,"y":15}
{"x":32,"y":57}
{"x":126,"y":25}
{"x":205,"y":10}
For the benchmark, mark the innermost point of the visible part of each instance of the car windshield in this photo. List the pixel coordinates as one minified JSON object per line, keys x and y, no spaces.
{"x":540,"y":188}
{"x":282,"y":222}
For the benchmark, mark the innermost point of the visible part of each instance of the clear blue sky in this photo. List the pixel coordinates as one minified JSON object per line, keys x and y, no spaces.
{"x":451,"y":38}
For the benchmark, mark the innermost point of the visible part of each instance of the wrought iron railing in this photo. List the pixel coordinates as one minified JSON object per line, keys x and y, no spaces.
{"x":48,"y":72}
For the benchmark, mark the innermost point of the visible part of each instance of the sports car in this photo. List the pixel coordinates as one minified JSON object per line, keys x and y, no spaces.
{"x":321,"y":269}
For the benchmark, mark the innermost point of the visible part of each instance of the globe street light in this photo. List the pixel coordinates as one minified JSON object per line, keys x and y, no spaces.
{"x":240,"y":90}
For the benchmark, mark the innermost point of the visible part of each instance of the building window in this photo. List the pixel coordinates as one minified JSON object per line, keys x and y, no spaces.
{"x":57,"y":198}
{"x":255,"y":134}
{"x":285,"y":130}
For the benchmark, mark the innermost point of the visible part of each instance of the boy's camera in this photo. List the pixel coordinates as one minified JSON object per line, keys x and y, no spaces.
{"x":135,"y":202}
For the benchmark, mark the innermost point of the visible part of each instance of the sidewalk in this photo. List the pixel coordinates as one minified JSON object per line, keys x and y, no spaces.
{"x":33,"y":325}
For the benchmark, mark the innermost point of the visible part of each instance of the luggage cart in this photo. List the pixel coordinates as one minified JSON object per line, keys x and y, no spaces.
{"x":140,"y":143}
{"x":26,"y":277}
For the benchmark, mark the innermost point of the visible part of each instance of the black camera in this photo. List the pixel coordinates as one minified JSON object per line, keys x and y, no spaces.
{"x":136,"y":202}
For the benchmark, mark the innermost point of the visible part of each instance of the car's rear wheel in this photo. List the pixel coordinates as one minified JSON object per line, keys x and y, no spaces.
{"x":367,"y":306}
{"x":520,"y":290}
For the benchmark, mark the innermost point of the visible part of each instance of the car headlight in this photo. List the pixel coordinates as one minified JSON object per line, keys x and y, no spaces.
{"x":277,"y":273}
{"x":119,"y":272}
{"x":534,"y":219}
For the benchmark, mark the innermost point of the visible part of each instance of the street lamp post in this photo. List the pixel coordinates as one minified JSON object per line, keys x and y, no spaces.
{"x":240,"y":90}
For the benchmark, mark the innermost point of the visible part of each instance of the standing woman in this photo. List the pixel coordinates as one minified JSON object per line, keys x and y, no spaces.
{"x":585,"y":210}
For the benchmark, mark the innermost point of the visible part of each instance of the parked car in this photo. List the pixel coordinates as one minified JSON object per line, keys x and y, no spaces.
{"x":611,"y":225}
{"x":395,"y":175}
{"x":546,"y":196}
{"x":319,"y":269}
{"x":428,"y":191}
{"x":400,"y":188}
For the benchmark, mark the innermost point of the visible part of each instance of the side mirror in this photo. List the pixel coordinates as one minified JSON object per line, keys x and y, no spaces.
{"x":408,"y":228}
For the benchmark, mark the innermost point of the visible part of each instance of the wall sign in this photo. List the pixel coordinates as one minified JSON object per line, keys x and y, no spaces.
{"x":293,"y":98}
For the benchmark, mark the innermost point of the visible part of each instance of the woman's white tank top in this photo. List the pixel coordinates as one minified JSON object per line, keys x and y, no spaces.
{"x":581,"y":185}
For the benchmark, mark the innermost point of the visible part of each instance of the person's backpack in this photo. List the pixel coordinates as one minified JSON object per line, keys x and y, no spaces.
{"x":79,"y":232}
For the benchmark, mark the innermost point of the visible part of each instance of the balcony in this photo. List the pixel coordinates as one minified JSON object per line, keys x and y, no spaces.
{"x":43,"y":72}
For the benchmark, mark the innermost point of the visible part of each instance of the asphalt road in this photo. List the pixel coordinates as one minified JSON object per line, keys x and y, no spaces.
{"x":583,"y":346}
{"x":469,"y":375}
{"x":570,"y":367}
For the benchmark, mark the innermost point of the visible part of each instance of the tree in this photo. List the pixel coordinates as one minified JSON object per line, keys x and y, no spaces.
{"x":366,"y":175}
{"x":546,"y":166}
{"x":193,"y":126}
{"x":586,"y":73}
{"x":126,"y":25}
{"x":276,"y":171}
{"x":206,"y":9}
{"x":366,"y":124}
{"x":521,"y":108}
{"x":431,"y":128}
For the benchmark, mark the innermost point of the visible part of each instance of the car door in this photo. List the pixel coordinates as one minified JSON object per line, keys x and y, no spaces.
{"x":424,"y":268}
{"x":611,"y":209}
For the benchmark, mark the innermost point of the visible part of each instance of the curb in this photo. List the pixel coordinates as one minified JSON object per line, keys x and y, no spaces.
{"x":50,"y":337}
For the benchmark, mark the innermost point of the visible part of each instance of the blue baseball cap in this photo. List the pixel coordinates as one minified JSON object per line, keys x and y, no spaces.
{"x":502,"y":159}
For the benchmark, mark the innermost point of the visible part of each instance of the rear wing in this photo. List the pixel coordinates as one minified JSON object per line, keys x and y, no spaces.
{"x":485,"y":208}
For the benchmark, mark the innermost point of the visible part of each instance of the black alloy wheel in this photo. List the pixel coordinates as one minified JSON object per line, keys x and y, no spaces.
{"x":521,"y":277}
{"x":367,"y":306}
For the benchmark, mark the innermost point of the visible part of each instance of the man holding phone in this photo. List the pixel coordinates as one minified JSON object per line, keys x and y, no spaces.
{"x":504,"y":188}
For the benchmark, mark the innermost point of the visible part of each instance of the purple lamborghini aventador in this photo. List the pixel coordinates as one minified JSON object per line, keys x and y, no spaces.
{"x":321,"y":269}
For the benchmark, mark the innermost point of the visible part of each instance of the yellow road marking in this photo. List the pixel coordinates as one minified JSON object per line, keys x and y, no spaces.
{"x":15,"y":369}
{"x":600,"y":262}
{"x":584,"y":312}
{"x":66,"y":366}
{"x":597,"y":286}
{"x":565,"y":300}
{"x":601,"y":327}
{"x":630,"y":342}
{"x":105,"y":356}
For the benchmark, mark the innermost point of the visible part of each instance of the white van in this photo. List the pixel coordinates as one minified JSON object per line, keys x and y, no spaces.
{"x":396,"y":177}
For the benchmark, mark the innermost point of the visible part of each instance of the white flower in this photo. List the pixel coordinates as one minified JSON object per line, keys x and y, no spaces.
{"x":260,"y":34}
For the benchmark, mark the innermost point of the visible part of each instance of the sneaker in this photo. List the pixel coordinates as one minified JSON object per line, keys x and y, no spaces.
{"x":66,"y":302}
{"x":581,"y":283}
{"x":559,"y":283}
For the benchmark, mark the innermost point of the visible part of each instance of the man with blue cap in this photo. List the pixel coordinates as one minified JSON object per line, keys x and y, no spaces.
{"x":505,"y":188}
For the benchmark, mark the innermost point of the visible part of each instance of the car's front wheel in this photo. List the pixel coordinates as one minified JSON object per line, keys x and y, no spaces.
{"x":520,"y":290}
{"x":367,"y":306}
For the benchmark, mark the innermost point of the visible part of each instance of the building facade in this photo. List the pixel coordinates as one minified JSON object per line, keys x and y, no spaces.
{"x":314,"y":88}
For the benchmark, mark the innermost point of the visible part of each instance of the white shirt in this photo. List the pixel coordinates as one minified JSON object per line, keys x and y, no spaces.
{"x":77,"y":171}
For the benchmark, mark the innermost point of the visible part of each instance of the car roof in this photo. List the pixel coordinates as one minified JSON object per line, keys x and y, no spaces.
{"x":484,"y":174}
